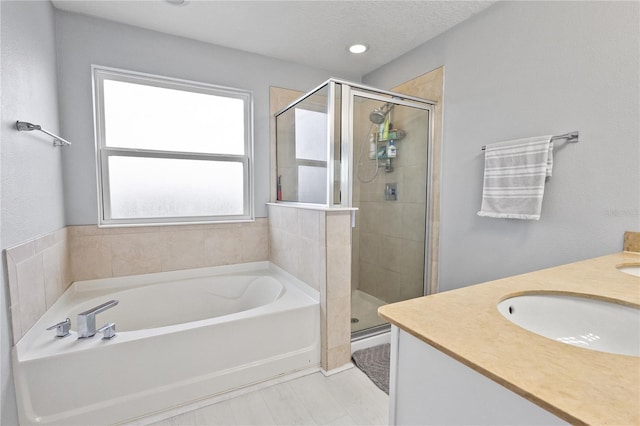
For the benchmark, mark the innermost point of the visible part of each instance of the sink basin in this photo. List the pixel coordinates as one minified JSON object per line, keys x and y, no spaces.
{"x":630,"y":268}
{"x":583,"y":322}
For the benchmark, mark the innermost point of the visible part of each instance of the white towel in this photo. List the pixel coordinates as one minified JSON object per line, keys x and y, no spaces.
{"x":514,"y":176}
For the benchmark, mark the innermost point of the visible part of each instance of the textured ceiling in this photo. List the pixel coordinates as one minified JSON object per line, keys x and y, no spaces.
{"x":314,"y":33}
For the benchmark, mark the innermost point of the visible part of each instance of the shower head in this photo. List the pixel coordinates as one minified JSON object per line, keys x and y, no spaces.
{"x":378,"y":115}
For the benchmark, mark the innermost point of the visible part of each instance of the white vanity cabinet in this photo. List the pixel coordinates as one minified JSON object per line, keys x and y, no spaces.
{"x":428,"y":387}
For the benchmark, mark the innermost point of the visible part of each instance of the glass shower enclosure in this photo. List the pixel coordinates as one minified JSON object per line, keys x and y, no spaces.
{"x":344,"y":144}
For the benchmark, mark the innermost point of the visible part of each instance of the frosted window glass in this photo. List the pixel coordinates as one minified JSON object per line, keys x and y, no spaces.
{"x":312,"y":184}
{"x":159,"y":187}
{"x":311,"y":134}
{"x":148,"y":117}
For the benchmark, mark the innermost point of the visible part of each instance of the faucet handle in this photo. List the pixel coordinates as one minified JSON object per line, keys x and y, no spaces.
{"x":62,"y":328}
{"x":108,"y":331}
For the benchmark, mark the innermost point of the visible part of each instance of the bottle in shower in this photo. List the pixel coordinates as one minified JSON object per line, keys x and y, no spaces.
{"x":372,"y":147}
{"x":392,"y":152}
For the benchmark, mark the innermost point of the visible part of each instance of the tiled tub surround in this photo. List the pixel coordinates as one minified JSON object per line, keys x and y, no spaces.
{"x":314,"y":245}
{"x":115,"y":252}
{"x":39,"y":271}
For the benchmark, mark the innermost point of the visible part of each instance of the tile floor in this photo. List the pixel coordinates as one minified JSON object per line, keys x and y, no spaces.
{"x":345,"y":398}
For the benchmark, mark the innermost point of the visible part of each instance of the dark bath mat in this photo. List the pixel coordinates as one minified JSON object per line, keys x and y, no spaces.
{"x":374,"y":362}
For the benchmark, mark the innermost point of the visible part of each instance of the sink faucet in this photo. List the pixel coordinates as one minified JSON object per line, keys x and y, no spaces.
{"x":87,"y":319}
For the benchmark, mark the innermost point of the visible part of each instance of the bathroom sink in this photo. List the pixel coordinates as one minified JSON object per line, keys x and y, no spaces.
{"x":580,"y":321}
{"x":630,"y":268}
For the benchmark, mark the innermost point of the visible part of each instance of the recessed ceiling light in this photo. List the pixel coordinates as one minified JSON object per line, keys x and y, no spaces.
{"x":358,"y":48}
{"x":177,"y":2}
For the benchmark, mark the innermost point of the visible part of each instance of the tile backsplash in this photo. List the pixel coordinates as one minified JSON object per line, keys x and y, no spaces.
{"x":40,"y":270}
{"x":631,"y":241}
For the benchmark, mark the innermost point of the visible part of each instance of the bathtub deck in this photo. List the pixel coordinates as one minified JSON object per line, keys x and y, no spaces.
{"x":346,"y":398}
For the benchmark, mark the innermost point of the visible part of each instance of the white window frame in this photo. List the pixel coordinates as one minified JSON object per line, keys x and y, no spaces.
{"x":103,"y":152}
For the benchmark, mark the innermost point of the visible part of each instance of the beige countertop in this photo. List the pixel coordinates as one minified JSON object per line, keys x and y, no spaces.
{"x":578,"y":385}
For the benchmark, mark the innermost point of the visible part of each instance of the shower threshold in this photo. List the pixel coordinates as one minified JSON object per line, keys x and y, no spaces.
{"x":370,"y":332}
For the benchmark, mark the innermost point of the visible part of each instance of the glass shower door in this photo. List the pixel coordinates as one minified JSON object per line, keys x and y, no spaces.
{"x":389,"y":188}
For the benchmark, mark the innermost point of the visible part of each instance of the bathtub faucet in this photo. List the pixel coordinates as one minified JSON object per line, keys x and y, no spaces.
{"x":87,"y":319}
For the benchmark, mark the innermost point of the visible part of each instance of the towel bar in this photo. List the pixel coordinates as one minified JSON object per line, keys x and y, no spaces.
{"x":57,"y":140}
{"x":570,"y":137}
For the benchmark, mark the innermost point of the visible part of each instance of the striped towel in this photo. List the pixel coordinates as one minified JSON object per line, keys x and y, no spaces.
{"x":514,"y":176}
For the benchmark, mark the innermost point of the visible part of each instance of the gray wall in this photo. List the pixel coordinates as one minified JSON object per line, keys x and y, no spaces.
{"x":83,"y":41}
{"x":524,"y":69}
{"x":32,"y":197}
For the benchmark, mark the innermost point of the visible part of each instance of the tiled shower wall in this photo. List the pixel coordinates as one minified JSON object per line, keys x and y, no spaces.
{"x":41,"y":270}
{"x":380,"y":225}
{"x":391,"y":234}
{"x":430,"y":85}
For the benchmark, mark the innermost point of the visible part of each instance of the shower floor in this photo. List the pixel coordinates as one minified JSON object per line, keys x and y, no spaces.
{"x":364,"y":308}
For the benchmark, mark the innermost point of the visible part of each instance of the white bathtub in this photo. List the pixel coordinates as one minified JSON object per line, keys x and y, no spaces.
{"x":182,"y":336}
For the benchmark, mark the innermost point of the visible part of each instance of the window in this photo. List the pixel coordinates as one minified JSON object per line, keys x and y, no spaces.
{"x":171,"y":151}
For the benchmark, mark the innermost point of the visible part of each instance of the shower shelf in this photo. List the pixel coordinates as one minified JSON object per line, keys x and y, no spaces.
{"x":394,"y":135}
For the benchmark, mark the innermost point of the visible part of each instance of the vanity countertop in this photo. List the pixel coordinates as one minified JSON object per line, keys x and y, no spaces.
{"x":578,"y":385}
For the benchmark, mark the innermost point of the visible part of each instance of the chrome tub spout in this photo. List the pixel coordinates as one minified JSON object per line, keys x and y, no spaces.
{"x":87,"y":319}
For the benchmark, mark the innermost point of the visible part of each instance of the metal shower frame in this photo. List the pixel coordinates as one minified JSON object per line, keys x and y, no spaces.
{"x":349,"y":90}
